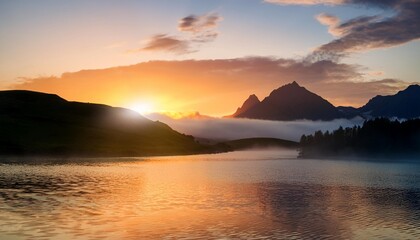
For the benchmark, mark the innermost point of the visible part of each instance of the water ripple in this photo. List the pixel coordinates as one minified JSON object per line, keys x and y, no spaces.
{"x":184,"y":199}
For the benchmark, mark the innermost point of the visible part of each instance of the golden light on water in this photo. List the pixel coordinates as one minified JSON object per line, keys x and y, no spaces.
{"x":194,"y":197}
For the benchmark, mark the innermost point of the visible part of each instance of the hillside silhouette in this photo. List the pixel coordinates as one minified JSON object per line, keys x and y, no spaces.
{"x":33,"y":123}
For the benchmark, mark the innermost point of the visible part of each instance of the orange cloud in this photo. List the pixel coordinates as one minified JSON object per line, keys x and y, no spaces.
{"x":213,"y":87}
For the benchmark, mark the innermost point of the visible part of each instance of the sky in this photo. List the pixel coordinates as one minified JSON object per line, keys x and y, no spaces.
{"x":208,"y":55}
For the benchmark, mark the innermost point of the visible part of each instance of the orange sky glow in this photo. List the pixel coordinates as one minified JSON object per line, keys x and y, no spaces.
{"x":211,"y":87}
{"x":207,"y":56}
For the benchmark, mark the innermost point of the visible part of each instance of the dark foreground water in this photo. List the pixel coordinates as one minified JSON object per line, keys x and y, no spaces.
{"x":242,"y":195}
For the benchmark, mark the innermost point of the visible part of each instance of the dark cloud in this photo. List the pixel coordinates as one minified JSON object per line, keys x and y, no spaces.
{"x":367,"y":32}
{"x":164,"y":42}
{"x":378,"y":3}
{"x":370,"y":3}
{"x":199,"y":30}
{"x":188,"y":23}
{"x":202,"y":28}
{"x":197,"y":24}
{"x":371,"y":32}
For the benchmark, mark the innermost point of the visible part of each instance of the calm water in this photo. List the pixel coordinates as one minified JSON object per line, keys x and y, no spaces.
{"x":242,"y":195}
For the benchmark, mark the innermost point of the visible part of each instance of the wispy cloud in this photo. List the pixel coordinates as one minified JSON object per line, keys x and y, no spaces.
{"x":199,"y":24}
{"x":331,"y":21}
{"x":305,"y":2}
{"x":366,"y":32}
{"x":195,"y":30}
{"x":372,"y":32}
{"x":162,"y":42}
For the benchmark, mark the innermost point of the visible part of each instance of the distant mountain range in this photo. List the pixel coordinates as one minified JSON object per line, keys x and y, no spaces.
{"x":33,"y":123}
{"x":404,"y":104}
{"x":293,"y":102}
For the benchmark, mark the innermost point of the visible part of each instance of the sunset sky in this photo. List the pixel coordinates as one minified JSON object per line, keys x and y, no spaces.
{"x":208,"y":55}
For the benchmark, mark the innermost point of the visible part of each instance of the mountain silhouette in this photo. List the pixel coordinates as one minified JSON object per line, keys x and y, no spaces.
{"x":289,"y":102}
{"x":249,"y":103}
{"x":404,"y":104}
{"x":33,"y":123}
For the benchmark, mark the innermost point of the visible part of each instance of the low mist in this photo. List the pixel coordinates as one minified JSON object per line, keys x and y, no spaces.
{"x":234,"y":128}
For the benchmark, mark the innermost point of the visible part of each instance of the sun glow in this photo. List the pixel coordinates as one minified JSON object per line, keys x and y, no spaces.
{"x":142,"y":107}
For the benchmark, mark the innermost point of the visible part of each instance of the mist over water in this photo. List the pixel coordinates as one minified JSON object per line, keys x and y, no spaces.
{"x":235,"y":128}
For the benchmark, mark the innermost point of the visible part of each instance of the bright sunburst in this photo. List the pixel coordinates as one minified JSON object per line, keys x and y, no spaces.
{"x":142,"y":107}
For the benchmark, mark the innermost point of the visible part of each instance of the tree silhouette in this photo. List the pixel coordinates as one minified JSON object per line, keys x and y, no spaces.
{"x":380,"y":137}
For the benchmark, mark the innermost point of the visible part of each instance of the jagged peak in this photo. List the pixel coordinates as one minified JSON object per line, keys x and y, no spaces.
{"x":294,"y":83}
{"x":290,"y":87}
{"x":250,"y":102}
{"x":253,"y":97}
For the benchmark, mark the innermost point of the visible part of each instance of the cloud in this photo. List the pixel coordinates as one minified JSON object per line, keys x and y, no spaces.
{"x":230,"y":129}
{"x":365,"y":33}
{"x":376,"y":73}
{"x":196,"y":29}
{"x":162,"y":42}
{"x":213,"y":87}
{"x":197,"y":24}
{"x":373,"y":32}
{"x":305,"y":2}
{"x":330,"y":21}
{"x":201,"y":28}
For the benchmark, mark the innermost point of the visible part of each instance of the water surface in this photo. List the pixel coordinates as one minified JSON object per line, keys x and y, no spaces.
{"x":240,"y":195}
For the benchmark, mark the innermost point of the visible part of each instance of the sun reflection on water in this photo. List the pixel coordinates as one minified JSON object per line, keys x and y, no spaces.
{"x":210,"y":197}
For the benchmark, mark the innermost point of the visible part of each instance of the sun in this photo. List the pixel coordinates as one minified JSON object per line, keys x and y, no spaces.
{"x":142,"y":108}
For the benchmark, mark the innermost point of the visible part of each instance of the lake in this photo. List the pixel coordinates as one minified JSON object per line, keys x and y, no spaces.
{"x":239,"y":195}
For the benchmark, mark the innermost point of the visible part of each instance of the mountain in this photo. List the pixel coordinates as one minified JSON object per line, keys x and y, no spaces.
{"x":289,"y":102}
{"x":33,"y":123}
{"x":249,"y":103}
{"x":404,"y":104}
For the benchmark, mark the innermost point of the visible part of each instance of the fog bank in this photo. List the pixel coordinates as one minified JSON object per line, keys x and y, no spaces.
{"x":230,"y":129}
